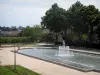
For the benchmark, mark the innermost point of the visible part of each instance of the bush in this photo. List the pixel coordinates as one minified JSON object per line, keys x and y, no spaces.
{"x":48,"y":37}
{"x":14,"y":39}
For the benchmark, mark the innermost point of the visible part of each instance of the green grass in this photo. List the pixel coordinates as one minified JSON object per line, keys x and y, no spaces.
{"x":8,"y":70}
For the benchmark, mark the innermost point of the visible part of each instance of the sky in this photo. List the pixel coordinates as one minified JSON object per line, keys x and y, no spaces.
{"x":29,"y":12}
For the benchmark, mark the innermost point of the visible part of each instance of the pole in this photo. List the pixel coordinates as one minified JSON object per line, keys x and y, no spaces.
{"x":18,"y":47}
{"x":14,"y":57}
{"x":0,"y":40}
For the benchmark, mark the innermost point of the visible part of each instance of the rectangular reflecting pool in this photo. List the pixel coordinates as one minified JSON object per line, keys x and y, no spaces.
{"x":76,"y":60}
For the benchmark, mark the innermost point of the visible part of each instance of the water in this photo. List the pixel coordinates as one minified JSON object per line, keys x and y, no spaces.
{"x":79,"y":60}
{"x":64,"y":51}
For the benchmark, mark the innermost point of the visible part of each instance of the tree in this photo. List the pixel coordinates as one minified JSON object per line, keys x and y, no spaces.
{"x":90,"y":18}
{"x":98,"y":29}
{"x":98,"y":33}
{"x":34,"y":32}
{"x":75,"y":20}
{"x":26,"y":31}
{"x":48,"y":37}
{"x":55,"y":19}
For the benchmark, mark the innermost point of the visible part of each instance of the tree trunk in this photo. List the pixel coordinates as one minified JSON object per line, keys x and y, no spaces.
{"x":90,"y":35}
{"x":65,"y":36}
{"x":80,"y":39}
{"x":56,"y":37}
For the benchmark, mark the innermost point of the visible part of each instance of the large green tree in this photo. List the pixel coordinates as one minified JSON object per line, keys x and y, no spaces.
{"x":75,"y":20}
{"x":90,"y":17}
{"x":55,"y":19}
{"x":98,"y":29}
{"x":83,"y":20}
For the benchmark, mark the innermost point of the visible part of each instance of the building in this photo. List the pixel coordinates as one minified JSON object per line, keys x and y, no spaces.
{"x":10,"y":33}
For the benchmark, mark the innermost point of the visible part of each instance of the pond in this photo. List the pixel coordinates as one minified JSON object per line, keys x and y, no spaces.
{"x":76,"y":60}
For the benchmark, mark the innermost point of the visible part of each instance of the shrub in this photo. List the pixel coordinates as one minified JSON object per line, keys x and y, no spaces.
{"x":14,"y":39}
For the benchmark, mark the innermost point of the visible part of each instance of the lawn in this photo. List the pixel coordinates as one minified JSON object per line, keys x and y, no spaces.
{"x":8,"y":70}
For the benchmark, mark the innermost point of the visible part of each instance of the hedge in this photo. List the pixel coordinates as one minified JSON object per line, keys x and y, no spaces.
{"x":14,"y":39}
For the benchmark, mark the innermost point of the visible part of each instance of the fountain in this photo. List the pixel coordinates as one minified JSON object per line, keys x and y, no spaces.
{"x":64,"y":50}
{"x":81,"y":60}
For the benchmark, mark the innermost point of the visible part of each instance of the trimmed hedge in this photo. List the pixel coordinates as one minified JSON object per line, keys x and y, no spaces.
{"x":14,"y":39}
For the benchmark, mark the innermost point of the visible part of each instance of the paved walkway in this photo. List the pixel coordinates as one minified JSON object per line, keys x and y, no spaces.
{"x":42,"y":67}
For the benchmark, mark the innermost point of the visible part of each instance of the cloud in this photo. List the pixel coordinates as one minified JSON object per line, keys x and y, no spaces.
{"x":4,"y":1}
{"x":20,"y":15}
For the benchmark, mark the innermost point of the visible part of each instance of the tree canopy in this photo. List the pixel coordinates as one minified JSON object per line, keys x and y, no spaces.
{"x":54,"y":18}
{"x":82,"y":20}
{"x":33,"y":32}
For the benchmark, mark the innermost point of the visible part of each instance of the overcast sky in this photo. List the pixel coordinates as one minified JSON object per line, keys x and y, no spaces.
{"x":29,"y":12}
